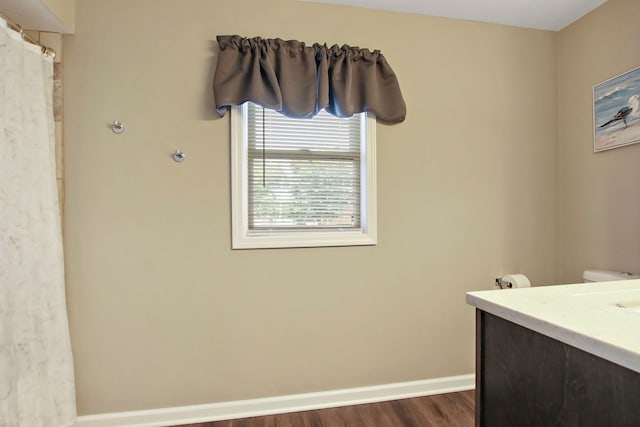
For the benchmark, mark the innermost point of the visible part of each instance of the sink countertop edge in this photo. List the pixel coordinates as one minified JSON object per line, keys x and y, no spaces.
{"x":590,"y":324}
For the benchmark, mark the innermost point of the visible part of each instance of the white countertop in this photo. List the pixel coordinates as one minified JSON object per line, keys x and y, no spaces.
{"x":600,"y":318}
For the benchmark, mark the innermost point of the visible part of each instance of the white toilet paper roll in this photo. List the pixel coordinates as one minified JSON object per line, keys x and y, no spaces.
{"x":515,"y":281}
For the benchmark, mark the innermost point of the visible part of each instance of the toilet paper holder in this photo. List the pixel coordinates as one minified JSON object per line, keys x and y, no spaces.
{"x":515,"y":280}
{"x":503,"y":284}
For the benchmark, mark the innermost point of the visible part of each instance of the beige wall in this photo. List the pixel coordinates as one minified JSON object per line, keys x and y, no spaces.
{"x":599,"y":201}
{"x":163,"y":313}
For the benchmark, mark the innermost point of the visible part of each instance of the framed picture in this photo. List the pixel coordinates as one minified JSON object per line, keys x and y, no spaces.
{"x":616,"y":115}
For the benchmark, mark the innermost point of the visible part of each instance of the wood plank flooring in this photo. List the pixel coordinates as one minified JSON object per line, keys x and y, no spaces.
{"x":443,"y":410}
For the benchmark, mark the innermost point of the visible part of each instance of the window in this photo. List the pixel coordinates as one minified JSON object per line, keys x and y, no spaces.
{"x":302,"y":182}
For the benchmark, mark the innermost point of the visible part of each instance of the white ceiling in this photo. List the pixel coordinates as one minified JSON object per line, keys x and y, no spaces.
{"x":32,"y":15}
{"x":541,"y":14}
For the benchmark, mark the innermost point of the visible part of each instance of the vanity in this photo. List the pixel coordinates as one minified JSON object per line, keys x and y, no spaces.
{"x":565,"y":356}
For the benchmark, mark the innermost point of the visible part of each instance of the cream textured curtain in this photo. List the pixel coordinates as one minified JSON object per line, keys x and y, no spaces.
{"x":36,"y":369}
{"x":299,"y":80}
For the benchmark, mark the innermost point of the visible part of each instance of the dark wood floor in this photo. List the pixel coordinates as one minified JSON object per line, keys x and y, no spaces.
{"x":443,"y":410}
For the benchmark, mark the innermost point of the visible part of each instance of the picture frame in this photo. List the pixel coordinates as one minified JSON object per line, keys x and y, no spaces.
{"x":616,"y":111}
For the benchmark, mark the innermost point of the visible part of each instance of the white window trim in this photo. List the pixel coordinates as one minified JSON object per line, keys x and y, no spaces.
{"x":243,"y":239}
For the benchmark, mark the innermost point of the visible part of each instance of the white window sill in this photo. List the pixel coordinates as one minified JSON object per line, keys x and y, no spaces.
{"x":302,"y":240}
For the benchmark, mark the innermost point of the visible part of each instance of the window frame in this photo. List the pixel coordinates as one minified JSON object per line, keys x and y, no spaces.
{"x":243,"y":238}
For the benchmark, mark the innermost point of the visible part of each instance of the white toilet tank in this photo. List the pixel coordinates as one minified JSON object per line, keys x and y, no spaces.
{"x":607,"y":276}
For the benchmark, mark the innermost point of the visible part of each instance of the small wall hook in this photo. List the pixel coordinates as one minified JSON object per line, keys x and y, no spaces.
{"x":117,"y":127}
{"x":178,"y":156}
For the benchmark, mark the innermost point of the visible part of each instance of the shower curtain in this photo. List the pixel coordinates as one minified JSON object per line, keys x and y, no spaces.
{"x":36,"y":369}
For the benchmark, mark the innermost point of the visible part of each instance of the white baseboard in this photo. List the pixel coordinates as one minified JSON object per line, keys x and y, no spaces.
{"x":277,"y":405}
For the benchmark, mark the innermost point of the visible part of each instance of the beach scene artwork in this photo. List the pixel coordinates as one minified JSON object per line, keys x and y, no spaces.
{"x":616,"y":104}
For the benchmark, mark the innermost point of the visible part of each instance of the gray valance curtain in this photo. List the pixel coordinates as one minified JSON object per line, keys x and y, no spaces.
{"x":299,"y":80}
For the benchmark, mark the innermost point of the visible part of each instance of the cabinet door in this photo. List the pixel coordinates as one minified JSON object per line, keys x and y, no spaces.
{"x":527,"y":379}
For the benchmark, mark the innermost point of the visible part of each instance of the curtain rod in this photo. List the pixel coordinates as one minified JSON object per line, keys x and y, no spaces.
{"x":17,"y":28}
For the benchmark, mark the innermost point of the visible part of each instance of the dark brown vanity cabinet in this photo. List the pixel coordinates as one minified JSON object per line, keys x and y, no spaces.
{"x":526,"y":379}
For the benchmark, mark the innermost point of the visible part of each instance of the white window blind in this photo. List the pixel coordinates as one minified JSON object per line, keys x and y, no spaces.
{"x":303,"y":173}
